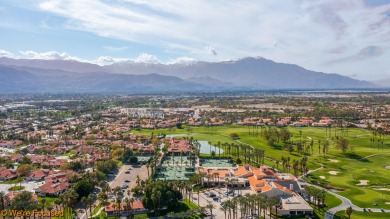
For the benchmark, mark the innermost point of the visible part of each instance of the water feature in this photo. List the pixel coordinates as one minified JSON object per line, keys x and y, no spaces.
{"x":204,"y":145}
{"x":205,"y":148}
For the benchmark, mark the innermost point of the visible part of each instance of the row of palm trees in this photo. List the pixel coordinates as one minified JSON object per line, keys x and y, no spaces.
{"x":296,"y":165}
{"x":127,"y":202}
{"x":315,"y":195}
{"x":249,"y":204}
{"x":249,"y":154}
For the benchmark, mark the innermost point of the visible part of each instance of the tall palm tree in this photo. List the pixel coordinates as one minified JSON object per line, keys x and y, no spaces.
{"x":118,"y":202}
{"x":2,"y":195}
{"x":85,"y":202}
{"x":210,"y":206}
{"x":131,"y":200}
{"x":224,"y":208}
{"x":274,"y":202}
{"x":127,"y":202}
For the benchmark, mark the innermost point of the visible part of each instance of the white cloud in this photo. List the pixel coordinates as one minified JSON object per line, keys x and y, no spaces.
{"x":50,"y":55}
{"x":7,"y":54}
{"x":181,"y":60}
{"x":307,"y":33}
{"x":147,"y":58}
{"x":107,"y":60}
{"x":115,"y":49}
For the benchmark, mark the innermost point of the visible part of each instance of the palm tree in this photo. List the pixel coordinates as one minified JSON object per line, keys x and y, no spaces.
{"x":147,"y":167}
{"x":224,"y":208}
{"x":127,"y":202}
{"x":131,"y":200}
{"x":119,"y":201}
{"x":210,"y":206}
{"x":2,"y":195}
{"x":349,"y":211}
{"x":85,"y":202}
{"x":274,"y":202}
{"x":43,"y":202}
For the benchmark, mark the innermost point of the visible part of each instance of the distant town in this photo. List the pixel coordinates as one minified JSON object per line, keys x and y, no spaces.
{"x":270,"y":154}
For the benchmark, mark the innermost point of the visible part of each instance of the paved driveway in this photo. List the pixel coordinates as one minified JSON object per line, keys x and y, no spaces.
{"x":28,"y":186}
{"x":204,"y":199}
{"x":135,"y":170}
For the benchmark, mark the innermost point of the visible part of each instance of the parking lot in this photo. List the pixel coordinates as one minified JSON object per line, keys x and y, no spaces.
{"x":205,"y":198}
{"x":129,"y":172}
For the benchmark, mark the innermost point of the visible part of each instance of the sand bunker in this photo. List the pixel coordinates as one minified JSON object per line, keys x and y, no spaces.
{"x":362,"y":182}
{"x":383,"y":189}
{"x":322,"y":177}
{"x":333,"y":172}
{"x":387,"y":203}
{"x":333,"y":160}
{"x":387,"y":167}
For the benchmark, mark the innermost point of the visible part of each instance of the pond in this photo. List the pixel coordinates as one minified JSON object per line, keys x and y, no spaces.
{"x":204,"y":145}
{"x":205,"y":148}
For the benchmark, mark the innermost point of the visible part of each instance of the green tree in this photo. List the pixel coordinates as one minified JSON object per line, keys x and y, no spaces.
{"x":24,"y":169}
{"x":349,"y":211}
{"x":342,"y":144}
{"x":84,"y":187}
{"x":24,"y":201}
{"x":25,"y":160}
{"x":133,"y":160}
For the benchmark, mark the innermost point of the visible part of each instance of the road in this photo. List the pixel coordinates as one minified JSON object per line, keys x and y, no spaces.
{"x":120,"y":177}
{"x":204,"y":199}
{"x":135,"y":170}
{"x":29,"y":186}
{"x":345,"y":202}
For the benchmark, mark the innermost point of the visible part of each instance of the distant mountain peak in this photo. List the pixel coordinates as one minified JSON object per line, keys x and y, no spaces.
{"x":248,"y":73}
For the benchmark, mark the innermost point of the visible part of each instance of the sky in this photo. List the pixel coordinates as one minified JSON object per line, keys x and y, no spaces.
{"x":348,"y":37}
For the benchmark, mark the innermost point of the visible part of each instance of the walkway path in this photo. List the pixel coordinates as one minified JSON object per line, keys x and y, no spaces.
{"x":98,"y":212}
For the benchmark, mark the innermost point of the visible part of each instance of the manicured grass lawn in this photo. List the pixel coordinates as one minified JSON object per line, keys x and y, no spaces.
{"x":330,"y":202}
{"x":349,"y":174}
{"x":14,"y":181}
{"x":49,"y":200}
{"x":95,"y":210}
{"x":364,"y":215}
{"x":352,"y":166}
{"x":183,"y":206}
{"x":16,"y":188}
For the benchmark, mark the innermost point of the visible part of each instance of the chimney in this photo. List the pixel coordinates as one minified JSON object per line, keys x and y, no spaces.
{"x":291,"y":187}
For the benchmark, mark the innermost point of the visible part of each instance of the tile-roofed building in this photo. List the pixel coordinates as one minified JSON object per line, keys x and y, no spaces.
{"x":52,"y":189}
{"x":136,"y":207}
{"x":7,"y":174}
{"x":39,"y":174}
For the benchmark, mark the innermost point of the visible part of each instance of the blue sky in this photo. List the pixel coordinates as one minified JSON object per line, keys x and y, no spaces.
{"x":350,"y":37}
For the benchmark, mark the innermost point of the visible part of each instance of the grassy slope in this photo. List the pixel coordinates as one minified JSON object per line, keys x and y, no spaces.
{"x":352,"y":166}
{"x":364,"y":215}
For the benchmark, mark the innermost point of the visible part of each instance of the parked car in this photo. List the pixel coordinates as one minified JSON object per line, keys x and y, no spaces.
{"x":127,"y":180}
{"x":383,"y":210}
{"x":365,"y":210}
{"x":215,"y":198}
{"x":127,"y":172}
{"x":212,"y":194}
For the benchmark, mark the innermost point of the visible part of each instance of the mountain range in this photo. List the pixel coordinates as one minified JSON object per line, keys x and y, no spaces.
{"x":24,"y":75}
